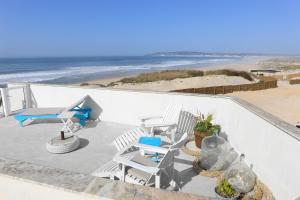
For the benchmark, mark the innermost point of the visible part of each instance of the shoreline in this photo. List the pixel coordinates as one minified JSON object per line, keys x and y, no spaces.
{"x":245,"y":64}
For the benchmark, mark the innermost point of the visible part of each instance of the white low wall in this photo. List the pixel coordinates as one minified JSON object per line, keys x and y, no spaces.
{"x":271,"y":150}
{"x":15,"y":188}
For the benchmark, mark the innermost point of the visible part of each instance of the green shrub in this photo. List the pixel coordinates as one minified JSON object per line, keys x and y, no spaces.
{"x":224,"y":189}
{"x":166,"y":75}
{"x":111,"y":84}
{"x":84,"y":84}
{"x":195,"y":73}
{"x":100,"y":85}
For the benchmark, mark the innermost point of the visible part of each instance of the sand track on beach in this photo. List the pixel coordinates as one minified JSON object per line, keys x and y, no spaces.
{"x":283,"y":102}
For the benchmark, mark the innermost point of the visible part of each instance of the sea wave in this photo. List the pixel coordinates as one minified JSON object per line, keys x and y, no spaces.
{"x":69,"y":72}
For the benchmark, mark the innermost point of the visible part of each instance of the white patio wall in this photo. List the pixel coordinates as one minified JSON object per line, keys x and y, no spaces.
{"x":273,"y":153}
{"x":14,"y":188}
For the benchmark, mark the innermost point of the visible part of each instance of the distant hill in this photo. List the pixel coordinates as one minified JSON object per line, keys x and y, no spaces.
{"x":195,"y":53}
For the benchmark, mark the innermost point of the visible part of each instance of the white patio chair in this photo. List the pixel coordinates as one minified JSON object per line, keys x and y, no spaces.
{"x":129,"y":138}
{"x":163,"y":120}
{"x":143,"y":171}
{"x":111,"y":169}
{"x":108,"y":170}
{"x":185,"y":124}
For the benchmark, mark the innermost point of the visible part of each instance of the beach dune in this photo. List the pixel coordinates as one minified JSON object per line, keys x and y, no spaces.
{"x":179,"y":83}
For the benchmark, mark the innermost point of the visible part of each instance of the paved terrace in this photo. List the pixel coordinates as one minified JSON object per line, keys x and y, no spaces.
{"x":28,"y":144}
{"x":269,"y":144}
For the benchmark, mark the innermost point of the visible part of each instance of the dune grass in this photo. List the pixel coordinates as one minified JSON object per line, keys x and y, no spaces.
{"x":88,"y":84}
{"x":84,"y":84}
{"x":173,"y":74}
{"x":166,"y":75}
{"x":228,"y":72}
{"x":288,"y":63}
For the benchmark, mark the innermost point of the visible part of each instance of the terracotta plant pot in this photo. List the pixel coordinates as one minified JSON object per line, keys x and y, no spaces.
{"x":199,"y":137}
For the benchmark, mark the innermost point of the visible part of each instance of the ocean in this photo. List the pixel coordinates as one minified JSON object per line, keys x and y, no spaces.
{"x":69,"y":70}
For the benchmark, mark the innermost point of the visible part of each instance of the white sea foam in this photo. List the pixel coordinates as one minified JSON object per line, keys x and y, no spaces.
{"x":54,"y":74}
{"x":80,"y":71}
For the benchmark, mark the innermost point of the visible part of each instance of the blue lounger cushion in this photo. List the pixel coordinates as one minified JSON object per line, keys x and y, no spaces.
{"x":21,"y":118}
{"x":153,"y":141}
{"x":82,"y":114}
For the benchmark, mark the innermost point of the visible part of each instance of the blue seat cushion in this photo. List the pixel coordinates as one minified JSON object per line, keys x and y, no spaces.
{"x":153,"y":141}
{"x":82,"y":114}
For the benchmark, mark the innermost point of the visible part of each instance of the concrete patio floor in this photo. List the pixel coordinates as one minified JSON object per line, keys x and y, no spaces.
{"x":28,"y":143}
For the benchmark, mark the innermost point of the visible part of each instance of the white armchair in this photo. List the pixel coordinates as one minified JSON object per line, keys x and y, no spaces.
{"x":165,"y":121}
{"x":140,"y":170}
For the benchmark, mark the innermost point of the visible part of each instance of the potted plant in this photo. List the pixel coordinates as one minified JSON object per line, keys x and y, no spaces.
{"x":204,"y":128}
{"x":225,"y":192}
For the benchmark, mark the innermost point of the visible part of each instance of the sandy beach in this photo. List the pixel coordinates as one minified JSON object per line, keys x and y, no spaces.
{"x":281,"y":102}
{"x":245,"y":64}
{"x":183,"y":83}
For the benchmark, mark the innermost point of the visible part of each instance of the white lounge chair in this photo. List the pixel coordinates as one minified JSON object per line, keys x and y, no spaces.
{"x":146,"y":172}
{"x":163,"y":120}
{"x":185,"y":124}
{"x":83,"y":109}
{"x":129,"y":138}
{"x":111,"y":169}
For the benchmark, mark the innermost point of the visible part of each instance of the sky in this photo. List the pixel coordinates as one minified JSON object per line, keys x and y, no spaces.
{"x":38,"y":28}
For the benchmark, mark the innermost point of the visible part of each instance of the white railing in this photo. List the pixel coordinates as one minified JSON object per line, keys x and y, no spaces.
{"x":1,"y":106}
{"x":15,"y":97}
{"x":271,"y":150}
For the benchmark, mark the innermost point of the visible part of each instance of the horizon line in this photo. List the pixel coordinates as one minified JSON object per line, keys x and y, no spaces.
{"x":150,"y":54}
